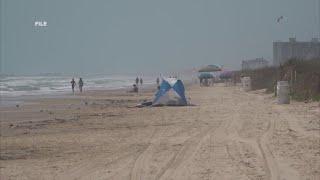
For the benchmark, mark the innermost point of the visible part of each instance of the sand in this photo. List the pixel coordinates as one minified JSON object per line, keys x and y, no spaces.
{"x":228,"y":134}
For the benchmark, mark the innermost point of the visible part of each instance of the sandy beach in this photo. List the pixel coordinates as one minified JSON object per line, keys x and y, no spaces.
{"x":228,"y":134}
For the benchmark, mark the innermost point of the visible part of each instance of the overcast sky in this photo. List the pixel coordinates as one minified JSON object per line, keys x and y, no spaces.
{"x":108,"y":36}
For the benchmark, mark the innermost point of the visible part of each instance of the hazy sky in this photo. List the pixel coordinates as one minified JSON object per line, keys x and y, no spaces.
{"x":107,"y":36}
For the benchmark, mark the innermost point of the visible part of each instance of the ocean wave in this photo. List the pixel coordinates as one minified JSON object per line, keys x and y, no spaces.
{"x":23,"y":88}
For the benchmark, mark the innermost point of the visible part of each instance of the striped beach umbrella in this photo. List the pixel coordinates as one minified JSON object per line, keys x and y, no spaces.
{"x":210,"y":68}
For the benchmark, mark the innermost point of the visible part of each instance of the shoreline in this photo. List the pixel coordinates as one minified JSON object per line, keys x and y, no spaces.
{"x":12,"y":101}
{"x":25,"y":99}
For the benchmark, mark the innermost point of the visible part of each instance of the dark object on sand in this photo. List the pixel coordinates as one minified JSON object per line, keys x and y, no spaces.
{"x":144,"y":104}
{"x":17,"y":106}
{"x":134,"y":88}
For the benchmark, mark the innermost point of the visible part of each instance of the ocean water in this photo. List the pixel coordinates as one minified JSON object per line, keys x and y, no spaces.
{"x":17,"y":86}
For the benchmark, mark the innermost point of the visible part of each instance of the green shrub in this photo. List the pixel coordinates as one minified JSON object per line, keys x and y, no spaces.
{"x":303,"y":76}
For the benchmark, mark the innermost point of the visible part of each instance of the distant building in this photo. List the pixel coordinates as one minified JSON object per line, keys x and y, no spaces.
{"x":254,"y":64}
{"x":283,"y":51}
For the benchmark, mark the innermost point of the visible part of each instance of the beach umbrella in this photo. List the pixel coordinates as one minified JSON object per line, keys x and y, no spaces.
{"x":205,"y":76}
{"x":226,"y":74}
{"x":210,"y":68}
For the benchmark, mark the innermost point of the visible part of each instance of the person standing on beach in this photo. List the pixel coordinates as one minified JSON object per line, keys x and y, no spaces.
{"x":73,"y":84}
{"x":141,"y":81}
{"x":80,"y":84}
{"x":137,"y":81}
{"x":158,"y":81}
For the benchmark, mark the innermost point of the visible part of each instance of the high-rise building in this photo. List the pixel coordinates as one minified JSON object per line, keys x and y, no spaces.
{"x":283,"y":51}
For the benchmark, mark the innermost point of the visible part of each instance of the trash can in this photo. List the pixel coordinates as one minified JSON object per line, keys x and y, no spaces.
{"x":246,"y":83}
{"x":283,"y":92}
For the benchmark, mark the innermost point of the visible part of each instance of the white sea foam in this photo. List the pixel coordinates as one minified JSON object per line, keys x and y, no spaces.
{"x":15,"y":86}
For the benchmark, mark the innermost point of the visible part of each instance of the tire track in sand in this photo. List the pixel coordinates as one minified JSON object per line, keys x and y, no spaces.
{"x":139,"y":161}
{"x":138,"y":165}
{"x":185,"y":152}
{"x":269,"y":159}
{"x":271,"y":165}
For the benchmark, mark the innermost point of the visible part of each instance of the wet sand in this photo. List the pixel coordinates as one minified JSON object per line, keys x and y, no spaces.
{"x":229,"y":134}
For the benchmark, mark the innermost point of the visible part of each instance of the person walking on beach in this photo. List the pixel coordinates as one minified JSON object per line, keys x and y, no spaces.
{"x":141,"y":81}
{"x":80,"y":84}
{"x":137,"y":81}
{"x":73,"y":84}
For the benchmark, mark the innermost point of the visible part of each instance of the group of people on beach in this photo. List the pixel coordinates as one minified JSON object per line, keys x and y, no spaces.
{"x":206,"y":81}
{"x":135,"y":86}
{"x":140,"y":80}
{"x":73,"y":84}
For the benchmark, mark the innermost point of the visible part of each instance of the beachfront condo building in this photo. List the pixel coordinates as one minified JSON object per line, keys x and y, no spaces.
{"x":283,"y":51}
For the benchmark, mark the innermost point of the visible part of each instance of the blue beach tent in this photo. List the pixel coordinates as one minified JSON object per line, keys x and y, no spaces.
{"x":171,"y":93}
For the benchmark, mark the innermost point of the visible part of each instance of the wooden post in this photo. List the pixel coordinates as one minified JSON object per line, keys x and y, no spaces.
{"x":291,"y":81}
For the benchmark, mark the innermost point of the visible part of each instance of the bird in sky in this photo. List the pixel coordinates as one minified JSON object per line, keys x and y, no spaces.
{"x":279,"y":19}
